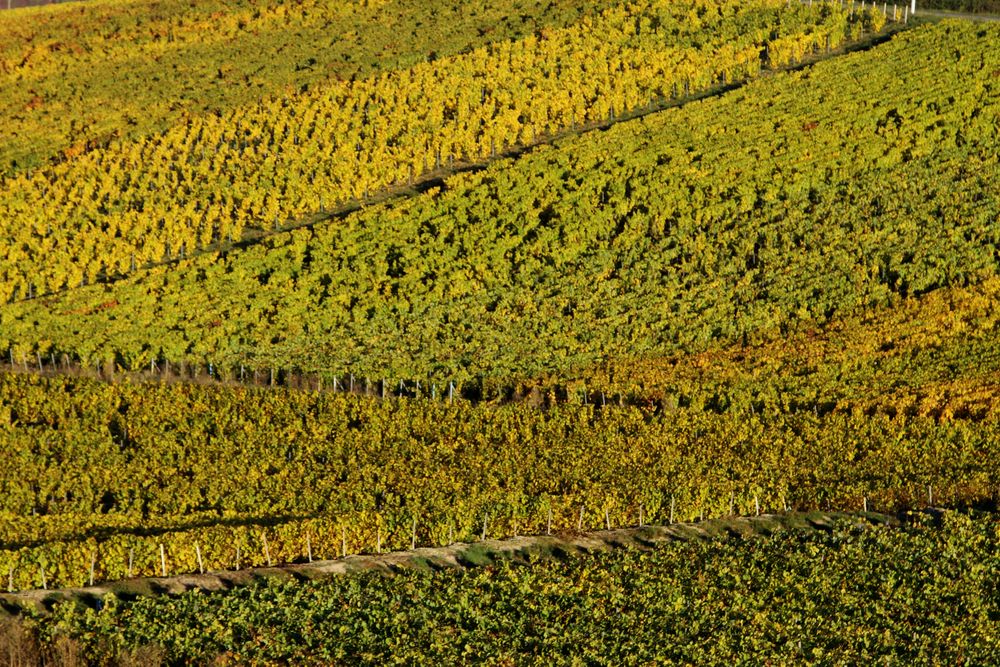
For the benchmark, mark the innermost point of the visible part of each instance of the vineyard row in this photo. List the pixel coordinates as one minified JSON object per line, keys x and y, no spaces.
{"x":128,"y":554}
{"x":209,"y":180}
{"x":119,"y":467}
{"x":776,"y":208}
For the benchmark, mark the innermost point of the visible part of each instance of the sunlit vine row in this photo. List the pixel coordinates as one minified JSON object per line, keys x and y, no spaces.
{"x":779,"y":206}
{"x":210,"y":178}
{"x":108,"y":472}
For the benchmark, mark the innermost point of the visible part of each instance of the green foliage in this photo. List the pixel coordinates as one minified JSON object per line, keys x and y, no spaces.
{"x":921,"y":595}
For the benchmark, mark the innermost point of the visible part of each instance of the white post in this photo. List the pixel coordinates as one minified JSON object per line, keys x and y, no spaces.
{"x":913,"y":7}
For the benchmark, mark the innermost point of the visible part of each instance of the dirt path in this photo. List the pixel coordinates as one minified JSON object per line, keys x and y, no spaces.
{"x":945,"y":14}
{"x":524,"y":550}
{"x":21,"y":4}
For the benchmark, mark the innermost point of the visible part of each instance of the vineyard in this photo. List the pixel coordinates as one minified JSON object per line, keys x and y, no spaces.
{"x":101,"y":475}
{"x":544,"y":264}
{"x":335,"y":280}
{"x":845,"y":594}
{"x":208,"y":178}
{"x":221,"y":55}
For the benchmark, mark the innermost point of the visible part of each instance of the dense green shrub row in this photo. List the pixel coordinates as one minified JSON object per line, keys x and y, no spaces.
{"x":919,"y":595}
